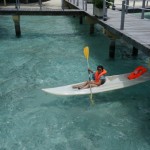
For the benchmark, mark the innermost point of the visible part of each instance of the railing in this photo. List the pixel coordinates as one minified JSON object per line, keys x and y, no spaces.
{"x":134,"y":1}
{"x":125,"y":7}
{"x":17,"y":4}
{"x":84,"y":6}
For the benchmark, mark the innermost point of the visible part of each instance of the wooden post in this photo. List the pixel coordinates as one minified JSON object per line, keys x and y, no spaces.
{"x":134,"y":52}
{"x":5,"y":3}
{"x":143,"y":7}
{"x":112,"y":49}
{"x":91,"y":22}
{"x":73,"y":1}
{"x":113,"y":6}
{"x":40,"y":3}
{"x":147,"y":3}
{"x":105,"y":14}
{"x":16,"y":19}
{"x":77,"y":2}
{"x":104,"y":10}
{"x":133,"y":3}
{"x":83,"y":4}
{"x":17,"y":4}
{"x":91,"y":29}
{"x":62,"y":4}
{"x":81,"y":20}
{"x":122,"y":15}
{"x":127,"y":6}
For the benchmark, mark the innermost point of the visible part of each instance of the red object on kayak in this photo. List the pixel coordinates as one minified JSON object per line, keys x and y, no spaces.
{"x":137,"y":72}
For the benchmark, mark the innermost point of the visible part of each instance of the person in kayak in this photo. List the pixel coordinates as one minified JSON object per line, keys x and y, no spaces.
{"x":98,"y":79}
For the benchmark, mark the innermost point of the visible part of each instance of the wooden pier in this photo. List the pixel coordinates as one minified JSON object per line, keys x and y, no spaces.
{"x":136,"y":31}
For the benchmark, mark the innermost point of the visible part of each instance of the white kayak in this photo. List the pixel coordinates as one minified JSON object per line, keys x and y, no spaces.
{"x":112,"y":83}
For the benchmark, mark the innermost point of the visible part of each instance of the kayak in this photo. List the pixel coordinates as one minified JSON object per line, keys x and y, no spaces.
{"x":112,"y":83}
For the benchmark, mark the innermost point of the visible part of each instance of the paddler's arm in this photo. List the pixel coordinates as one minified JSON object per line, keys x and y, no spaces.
{"x":90,"y":71}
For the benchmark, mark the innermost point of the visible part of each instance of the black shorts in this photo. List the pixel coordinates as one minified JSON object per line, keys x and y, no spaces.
{"x":103,"y":81}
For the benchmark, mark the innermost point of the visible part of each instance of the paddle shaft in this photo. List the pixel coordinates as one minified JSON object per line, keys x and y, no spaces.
{"x":86,"y":54}
{"x":89,"y":79}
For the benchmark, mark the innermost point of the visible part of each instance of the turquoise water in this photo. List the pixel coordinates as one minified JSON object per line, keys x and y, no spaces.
{"x":50,"y":54}
{"x":146,"y":15}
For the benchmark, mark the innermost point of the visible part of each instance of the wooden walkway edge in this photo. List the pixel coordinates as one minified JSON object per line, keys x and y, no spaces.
{"x":136,"y":31}
{"x":43,"y":12}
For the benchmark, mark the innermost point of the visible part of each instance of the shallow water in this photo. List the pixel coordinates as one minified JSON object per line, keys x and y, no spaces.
{"x":49,"y":54}
{"x":146,"y":15}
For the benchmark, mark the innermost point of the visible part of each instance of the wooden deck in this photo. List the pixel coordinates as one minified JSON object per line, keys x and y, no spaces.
{"x":136,"y":31}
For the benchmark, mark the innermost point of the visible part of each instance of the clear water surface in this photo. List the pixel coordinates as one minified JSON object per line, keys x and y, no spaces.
{"x":146,"y":15}
{"x":50,"y":54}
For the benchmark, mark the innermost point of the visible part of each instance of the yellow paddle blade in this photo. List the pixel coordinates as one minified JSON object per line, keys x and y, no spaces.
{"x":86,"y":52}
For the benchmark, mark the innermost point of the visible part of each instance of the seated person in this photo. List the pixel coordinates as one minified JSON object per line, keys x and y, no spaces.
{"x":98,"y":79}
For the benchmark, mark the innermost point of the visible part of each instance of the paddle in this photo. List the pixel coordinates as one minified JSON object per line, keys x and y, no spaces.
{"x":86,"y":54}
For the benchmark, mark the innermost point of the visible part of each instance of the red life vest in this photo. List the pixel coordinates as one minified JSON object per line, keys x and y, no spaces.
{"x":97,"y":75}
{"x":137,"y":72}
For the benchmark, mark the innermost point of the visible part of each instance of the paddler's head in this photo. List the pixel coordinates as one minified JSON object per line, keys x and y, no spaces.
{"x":100,"y":68}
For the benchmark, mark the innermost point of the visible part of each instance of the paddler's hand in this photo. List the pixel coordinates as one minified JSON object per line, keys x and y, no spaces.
{"x":89,"y":70}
